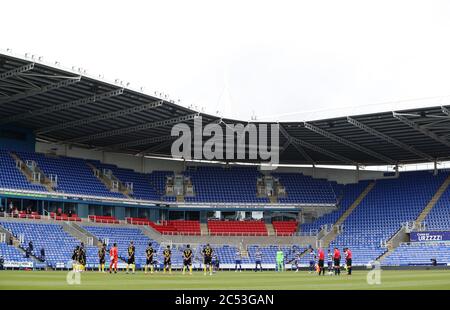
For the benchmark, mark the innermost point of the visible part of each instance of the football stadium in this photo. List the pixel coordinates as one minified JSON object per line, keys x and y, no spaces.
{"x":92,"y":196}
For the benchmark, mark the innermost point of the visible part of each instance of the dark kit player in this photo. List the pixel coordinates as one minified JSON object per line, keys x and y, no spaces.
{"x":149,"y":253}
{"x":187,"y":259}
{"x":167,"y":260}
{"x":131,"y":257}
{"x":207,"y":259}
{"x":348,"y":260}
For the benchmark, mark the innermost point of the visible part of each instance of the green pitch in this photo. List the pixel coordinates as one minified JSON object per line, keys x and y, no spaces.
{"x":405,"y":279}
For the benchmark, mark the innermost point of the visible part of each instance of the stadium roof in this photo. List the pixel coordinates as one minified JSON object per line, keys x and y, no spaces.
{"x":62,"y":106}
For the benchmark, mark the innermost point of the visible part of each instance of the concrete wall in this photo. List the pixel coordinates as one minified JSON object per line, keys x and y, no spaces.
{"x":142,"y":164}
{"x":136,"y":163}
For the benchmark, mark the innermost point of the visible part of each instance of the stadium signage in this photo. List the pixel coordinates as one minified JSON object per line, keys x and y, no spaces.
{"x":238,"y":141}
{"x":430,"y":236}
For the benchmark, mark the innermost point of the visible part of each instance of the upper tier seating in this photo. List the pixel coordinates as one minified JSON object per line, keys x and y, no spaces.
{"x":217,"y":184}
{"x":74,"y":175}
{"x":58,"y":244}
{"x":418,"y":254}
{"x":305,"y":189}
{"x":237,"y":228}
{"x":142,"y":185}
{"x":12,"y":178}
{"x":285,"y":228}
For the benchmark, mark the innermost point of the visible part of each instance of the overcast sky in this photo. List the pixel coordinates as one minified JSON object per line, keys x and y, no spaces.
{"x":275,"y":59}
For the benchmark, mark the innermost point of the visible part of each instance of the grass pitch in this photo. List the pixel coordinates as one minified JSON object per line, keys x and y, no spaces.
{"x":390,"y":279}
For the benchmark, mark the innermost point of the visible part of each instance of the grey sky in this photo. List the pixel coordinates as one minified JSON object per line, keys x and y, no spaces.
{"x":277,"y":59}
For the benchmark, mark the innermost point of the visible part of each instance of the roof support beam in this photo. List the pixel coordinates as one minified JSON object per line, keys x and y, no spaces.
{"x":101,"y":117}
{"x":341,"y":140}
{"x":296,"y":145}
{"x":40,"y":90}
{"x":318,"y":149}
{"x":144,"y":141}
{"x":156,"y":147}
{"x":122,"y":131}
{"x":391,"y":140}
{"x":424,"y":131}
{"x":62,"y":106}
{"x":16,"y":71}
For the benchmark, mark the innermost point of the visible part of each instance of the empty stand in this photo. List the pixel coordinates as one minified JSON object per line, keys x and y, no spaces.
{"x":237,"y":228}
{"x":285,"y":228}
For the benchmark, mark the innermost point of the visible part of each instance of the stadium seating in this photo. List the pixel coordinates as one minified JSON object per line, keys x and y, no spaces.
{"x":12,"y":178}
{"x":58,"y":244}
{"x":11,"y":254}
{"x":349,"y":194}
{"x":237,"y":228}
{"x":142,"y":185}
{"x":74,"y":175}
{"x":65,"y":217}
{"x":103,"y":219}
{"x":305,"y":189}
{"x":439,"y":216}
{"x":379,"y":216}
{"x":122,"y":236}
{"x":217,"y":184}
{"x":285,"y":228}
{"x":418,"y":254}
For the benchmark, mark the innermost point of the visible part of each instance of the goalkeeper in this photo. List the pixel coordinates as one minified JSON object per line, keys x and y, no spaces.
{"x":280,"y":260}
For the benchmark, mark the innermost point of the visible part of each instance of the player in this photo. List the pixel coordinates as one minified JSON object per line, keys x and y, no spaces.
{"x":215,"y":262}
{"x":82,"y":257}
{"x":258,"y":260}
{"x":280,"y":260}
{"x":238,"y":261}
{"x":348,"y":260}
{"x":113,"y":258}
{"x":75,"y":264}
{"x":187,"y":259}
{"x":131,"y":257}
{"x":167,"y":253}
{"x":312,"y":260}
{"x":330,"y":262}
{"x":149,"y":252}
{"x":337,"y":261}
{"x":207,"y":259}
{"x":321,"y":261}
{"x":296,"y":260}
{"x":101,"y":258}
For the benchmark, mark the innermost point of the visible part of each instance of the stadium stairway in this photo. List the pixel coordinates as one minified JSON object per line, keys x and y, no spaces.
{"x":330,"y":236}
{"x":204,"y":229}
{"x":108,"y":181}
{"x":432,"y":202}
{"x":152,"y":233}
{"x":401,"y":236}
{"x":270,"y":229}
{"x":26,"y":171}
{"x":79,"y":233}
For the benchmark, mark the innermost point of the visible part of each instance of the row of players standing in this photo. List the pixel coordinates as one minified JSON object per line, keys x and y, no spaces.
{"x":317,"y":261}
